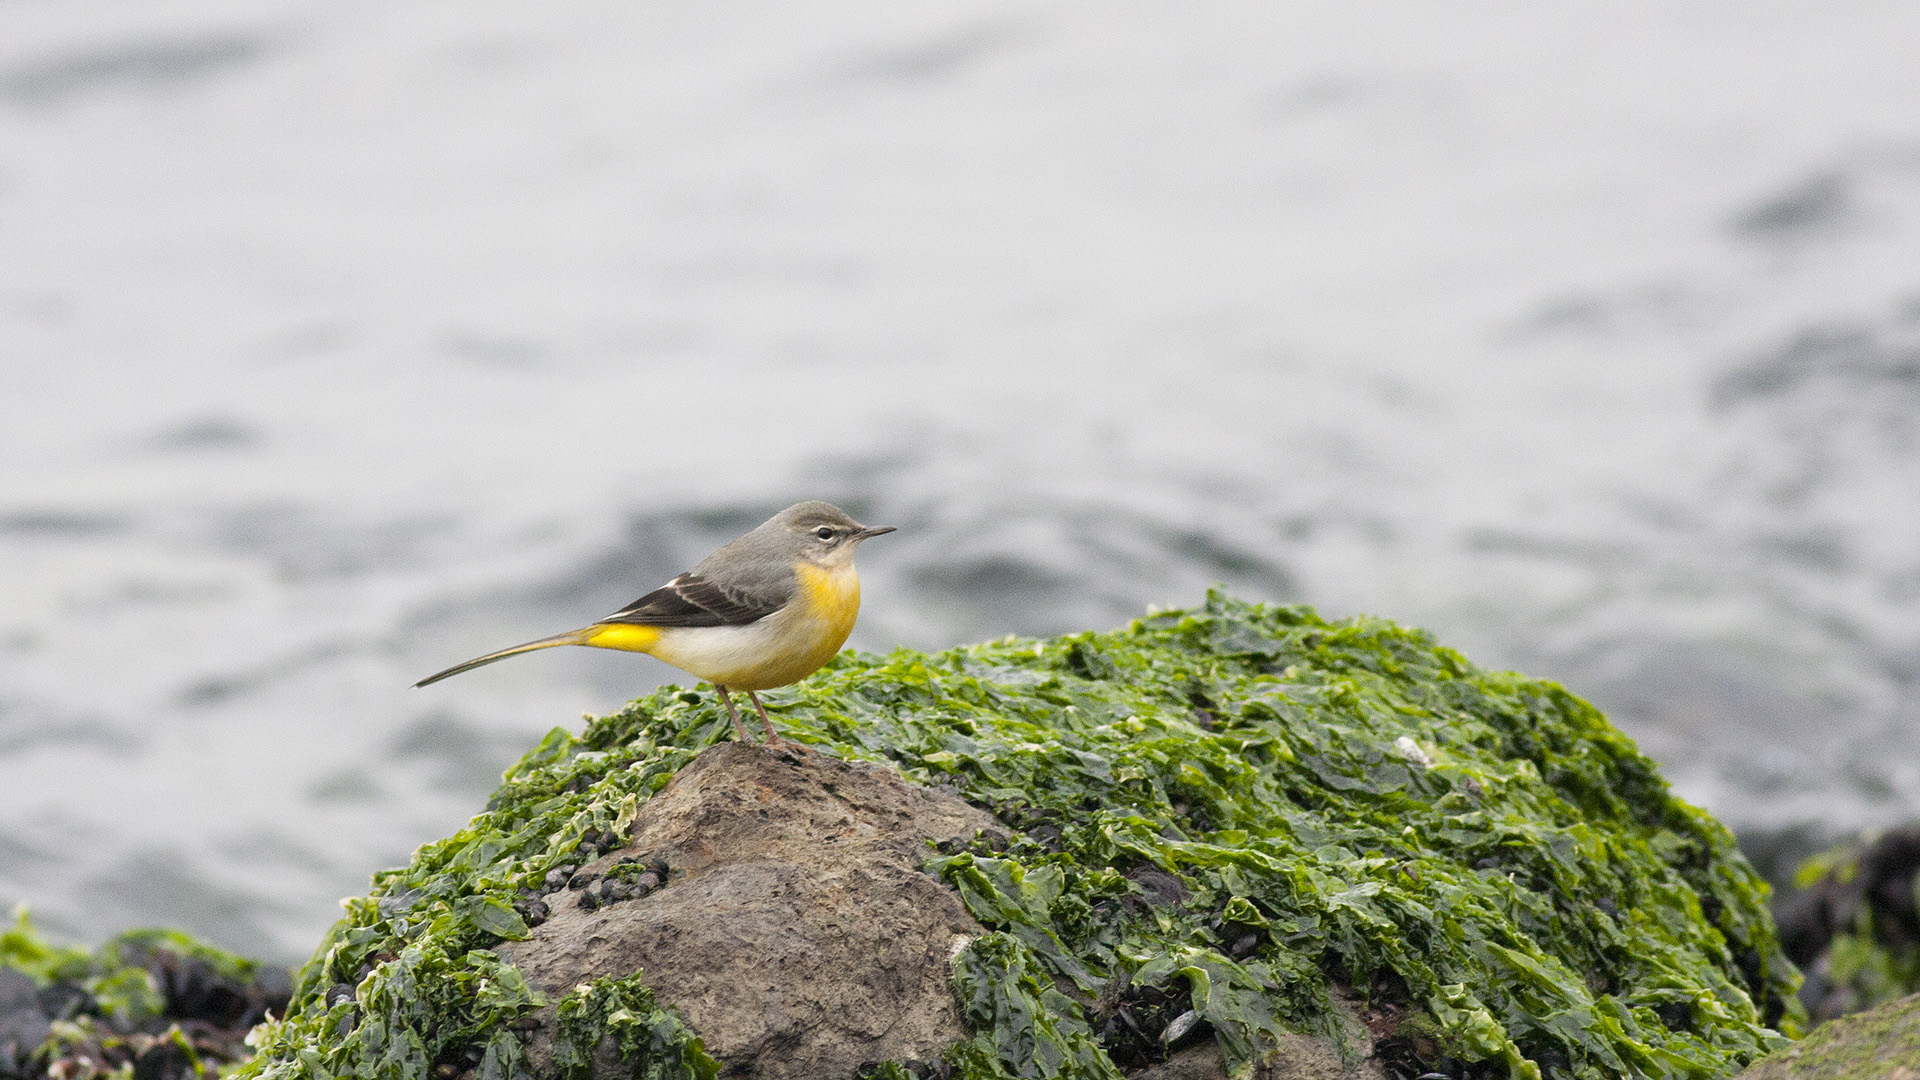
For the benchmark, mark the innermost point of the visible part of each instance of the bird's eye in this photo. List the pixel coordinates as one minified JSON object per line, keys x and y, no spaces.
{"x":824,"y":532}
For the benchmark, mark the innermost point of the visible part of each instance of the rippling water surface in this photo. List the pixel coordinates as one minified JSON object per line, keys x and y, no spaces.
{"x":342,"y":341}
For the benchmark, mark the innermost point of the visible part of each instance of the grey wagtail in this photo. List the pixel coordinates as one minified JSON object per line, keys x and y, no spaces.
{"x":764,"y":611}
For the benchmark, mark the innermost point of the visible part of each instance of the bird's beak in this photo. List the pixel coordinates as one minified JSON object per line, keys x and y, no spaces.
{"x":865,"y":533}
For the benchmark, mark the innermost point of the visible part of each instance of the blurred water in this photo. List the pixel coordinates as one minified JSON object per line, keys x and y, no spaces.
{"x":342,"y":341}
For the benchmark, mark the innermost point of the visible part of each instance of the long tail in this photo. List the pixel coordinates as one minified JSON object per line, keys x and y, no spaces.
{"x":571,"y":637}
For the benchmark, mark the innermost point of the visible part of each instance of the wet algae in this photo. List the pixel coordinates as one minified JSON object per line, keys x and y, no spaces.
{"x":1852,"y":923}
{"x":1221,"y":819}
{"x":147,"y":1004}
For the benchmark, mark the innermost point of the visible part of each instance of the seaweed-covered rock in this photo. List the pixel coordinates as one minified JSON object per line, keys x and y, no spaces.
{"x":1853,"y":926}
{"x":153,"y":1003}
{"x":1292,"y":1057}
{"x":794,"y":929}
{"x":1881,"y":1044}
{"x":1222,"y":824}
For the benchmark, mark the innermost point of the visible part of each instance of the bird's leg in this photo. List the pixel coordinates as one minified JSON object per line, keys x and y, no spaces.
{"x":773,"y":738}
{"x":738,"y":731}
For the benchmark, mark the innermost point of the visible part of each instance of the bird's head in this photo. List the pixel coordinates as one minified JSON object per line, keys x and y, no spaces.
{"x":823,"y":532}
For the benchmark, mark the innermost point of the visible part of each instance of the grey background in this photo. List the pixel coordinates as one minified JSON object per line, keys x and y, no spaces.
{"x":340,"y":341}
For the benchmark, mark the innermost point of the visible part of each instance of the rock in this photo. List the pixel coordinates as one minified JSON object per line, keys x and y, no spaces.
{"x":23,"y":1027}
{"x":18,"y":992}
{"x":795,"y":932}
{"x":199,"y":1005}
{"x":1211,"y":821}
{"x":1881,"y":1044}
{"x":1856,"y":927}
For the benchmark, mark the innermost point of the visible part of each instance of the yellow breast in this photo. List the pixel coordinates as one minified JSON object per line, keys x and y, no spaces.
{"x":809,"y":631}
{"x":832,"y":597}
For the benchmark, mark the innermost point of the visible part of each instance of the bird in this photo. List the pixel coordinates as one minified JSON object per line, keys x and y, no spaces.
{"x":766,"y":610}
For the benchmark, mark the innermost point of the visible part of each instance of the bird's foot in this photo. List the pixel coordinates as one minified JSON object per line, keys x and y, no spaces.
{"x":774,"y":741}
{"x":787,"y":748}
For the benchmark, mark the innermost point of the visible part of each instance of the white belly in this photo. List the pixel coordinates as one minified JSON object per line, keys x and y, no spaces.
{"x":779,"y":649}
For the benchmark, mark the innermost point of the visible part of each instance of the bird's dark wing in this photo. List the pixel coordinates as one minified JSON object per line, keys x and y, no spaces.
{"x":691,"y":600}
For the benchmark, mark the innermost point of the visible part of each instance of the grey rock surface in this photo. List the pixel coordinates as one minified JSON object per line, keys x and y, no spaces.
{"x":796,"y":931}
{"x":23,"y":1026}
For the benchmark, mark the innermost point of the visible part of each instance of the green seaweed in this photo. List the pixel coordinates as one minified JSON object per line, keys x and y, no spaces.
{"x":115,"y":973}
{"x":407,"y":981}
{"x":1023,"y":1026}
{"x":23,"y":948}
{"x":1871,"y":966}
{"x":1872,"y":958}
{"x":122,"y":1024}
{"x":1238,"y":808}
{"x":650,"y":1040}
